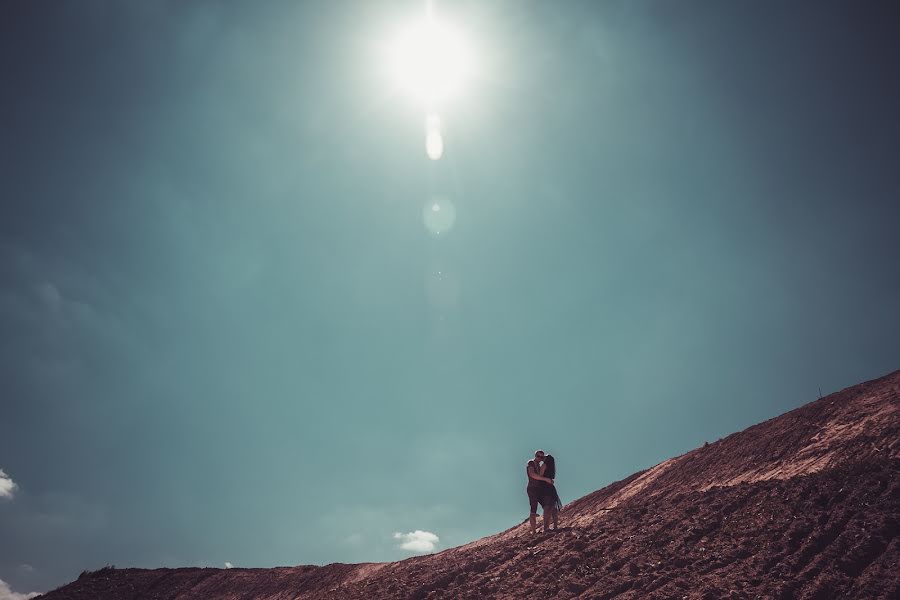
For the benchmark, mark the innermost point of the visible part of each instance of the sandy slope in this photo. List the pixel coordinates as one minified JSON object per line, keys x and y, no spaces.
{"x":805,"y":505}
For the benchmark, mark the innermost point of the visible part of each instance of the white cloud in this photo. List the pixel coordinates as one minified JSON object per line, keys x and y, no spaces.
{"x":7,"y":594}
{"x":417,"y":541}
{"x":228,"y":565}
{"x":7,"y":485}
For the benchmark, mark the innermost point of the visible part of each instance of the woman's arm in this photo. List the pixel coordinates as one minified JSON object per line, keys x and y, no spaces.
{"x":541,"y":474}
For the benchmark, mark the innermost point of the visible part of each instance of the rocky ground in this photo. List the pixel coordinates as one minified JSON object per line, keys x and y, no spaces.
{"x":805,"y":505}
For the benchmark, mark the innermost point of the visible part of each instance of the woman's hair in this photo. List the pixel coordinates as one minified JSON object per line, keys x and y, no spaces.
{"x":550,"y":464}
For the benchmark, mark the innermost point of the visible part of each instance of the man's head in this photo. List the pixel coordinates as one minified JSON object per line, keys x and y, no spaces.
{"x":538,"y":455}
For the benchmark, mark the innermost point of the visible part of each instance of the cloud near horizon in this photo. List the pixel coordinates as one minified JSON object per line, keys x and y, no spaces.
{"x":417,"y":541}
{"x":228,"y":565}
{"x":7,"y":594}
{"x":7,"y":485}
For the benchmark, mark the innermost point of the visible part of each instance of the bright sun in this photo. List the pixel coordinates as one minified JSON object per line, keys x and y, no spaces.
{"x":430,"y":60}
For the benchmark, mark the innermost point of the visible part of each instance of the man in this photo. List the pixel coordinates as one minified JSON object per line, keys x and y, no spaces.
{"x":534,"y":490}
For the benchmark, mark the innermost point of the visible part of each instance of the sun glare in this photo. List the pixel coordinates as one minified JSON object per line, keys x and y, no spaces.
{"x":430,"y":60}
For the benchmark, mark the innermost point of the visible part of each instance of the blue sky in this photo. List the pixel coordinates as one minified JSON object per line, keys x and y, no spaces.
{"x":227,"y":335}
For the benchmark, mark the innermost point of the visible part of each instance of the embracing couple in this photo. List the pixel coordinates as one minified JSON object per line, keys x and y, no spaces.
{"x":541,"y":471}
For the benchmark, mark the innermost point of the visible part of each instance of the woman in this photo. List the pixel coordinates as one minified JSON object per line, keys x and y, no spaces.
{"x":550,"y":497}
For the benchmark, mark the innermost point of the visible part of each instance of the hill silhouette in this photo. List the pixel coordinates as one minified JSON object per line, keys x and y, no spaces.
{"x":804,"y":505}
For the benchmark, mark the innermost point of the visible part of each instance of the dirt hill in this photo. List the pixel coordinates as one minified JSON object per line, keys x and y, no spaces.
{"x":805,"y":505}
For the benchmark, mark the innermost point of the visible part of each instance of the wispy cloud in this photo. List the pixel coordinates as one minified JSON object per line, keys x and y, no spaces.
{"x":228,"y":565}
{"x":50,"y":297}
{"x":417,"y":541}
{"x":7,"y":594}
{"x":7,"y":485}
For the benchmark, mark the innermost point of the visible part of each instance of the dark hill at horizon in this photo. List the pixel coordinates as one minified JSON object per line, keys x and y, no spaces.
{"x":804,"y":505}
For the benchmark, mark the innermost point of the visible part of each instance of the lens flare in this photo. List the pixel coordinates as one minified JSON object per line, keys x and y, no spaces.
{"x":442,"y":288}
{"x":434,"y":140}
{"x":439,"y":216}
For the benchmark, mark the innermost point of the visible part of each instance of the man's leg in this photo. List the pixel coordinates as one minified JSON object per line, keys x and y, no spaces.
{"x":532,"y":516}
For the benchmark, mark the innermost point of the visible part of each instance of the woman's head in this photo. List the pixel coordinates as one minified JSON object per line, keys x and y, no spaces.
{"x":550,"y":464}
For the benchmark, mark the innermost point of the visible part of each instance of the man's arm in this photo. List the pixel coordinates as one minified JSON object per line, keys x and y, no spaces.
{"x":534,"y":475}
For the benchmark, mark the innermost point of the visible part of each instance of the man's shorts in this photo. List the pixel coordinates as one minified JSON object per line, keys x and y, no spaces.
{"x":535,"y":496}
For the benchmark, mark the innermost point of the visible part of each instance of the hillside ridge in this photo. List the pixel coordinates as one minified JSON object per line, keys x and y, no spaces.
{"x":802,"y":505}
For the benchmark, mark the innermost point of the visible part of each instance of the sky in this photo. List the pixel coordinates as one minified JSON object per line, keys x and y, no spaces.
{"x":229,"y":332}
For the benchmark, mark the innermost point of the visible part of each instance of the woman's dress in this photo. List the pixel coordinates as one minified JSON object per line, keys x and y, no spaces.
{"x":549,"y":496}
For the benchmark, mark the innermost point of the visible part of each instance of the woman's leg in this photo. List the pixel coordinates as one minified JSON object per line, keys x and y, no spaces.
{"x":548,"y":512}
